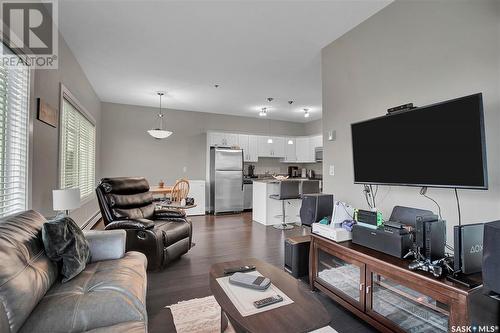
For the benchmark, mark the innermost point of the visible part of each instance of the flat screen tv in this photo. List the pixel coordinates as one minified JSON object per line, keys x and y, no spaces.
{"x":439,"y":145}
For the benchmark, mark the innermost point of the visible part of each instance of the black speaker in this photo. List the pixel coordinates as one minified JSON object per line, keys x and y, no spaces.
{"x":315,"y":207}
{"x":491,"y":256}
{"x":297,"y":256}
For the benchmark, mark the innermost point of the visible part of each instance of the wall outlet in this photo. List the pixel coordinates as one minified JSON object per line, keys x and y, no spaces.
{"x":332,"y":170}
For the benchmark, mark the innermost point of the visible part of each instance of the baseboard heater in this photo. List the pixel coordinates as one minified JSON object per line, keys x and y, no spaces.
{"x":92,"y":221}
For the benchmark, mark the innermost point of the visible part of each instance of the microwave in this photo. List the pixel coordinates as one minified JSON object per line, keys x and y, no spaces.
{"x":318,"y":154}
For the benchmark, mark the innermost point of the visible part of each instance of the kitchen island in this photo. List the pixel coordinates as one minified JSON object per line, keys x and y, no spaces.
{"x":267,"y":211}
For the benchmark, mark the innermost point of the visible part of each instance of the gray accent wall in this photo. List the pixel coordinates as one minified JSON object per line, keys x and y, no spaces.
{"x":127,"y":149}
{"x":421,"y":52}
{"x":45,"y":139}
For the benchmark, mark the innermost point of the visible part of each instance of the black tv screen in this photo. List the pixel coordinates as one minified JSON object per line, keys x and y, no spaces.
{"x":439,"y":145}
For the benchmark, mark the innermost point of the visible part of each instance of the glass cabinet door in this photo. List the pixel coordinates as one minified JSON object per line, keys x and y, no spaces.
{"x":404,"y":307}
{"x":344,"y":275}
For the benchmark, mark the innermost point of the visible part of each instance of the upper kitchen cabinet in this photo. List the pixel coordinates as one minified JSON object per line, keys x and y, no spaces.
{"x":290,"y":150}
{"x":316,"y":141}
{"x":249,"y":144}
{"x":220,"y":139}
{"x":275,"y":148}
{"x":303,"y":150}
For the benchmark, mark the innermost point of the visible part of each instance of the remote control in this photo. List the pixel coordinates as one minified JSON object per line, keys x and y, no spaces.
{"x":241,"y":269}
{"x":267,"y":301}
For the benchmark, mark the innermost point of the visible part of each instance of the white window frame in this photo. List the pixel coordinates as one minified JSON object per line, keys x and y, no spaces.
{"x":27,"y":171}
{"x":68,"y":96}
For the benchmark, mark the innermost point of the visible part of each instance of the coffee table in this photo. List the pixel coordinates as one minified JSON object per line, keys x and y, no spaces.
{"x":305,"y":314}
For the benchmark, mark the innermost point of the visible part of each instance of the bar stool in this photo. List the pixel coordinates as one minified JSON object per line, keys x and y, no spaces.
{"x":309,"y":187}
{"x":289,"y":189}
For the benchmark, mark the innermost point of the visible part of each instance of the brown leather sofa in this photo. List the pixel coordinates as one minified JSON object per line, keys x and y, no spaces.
{"x":108,"y":296}
{"x":161,"y":234}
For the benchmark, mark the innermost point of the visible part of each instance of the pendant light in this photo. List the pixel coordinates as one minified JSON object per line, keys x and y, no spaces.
{"x":159,"y":132}
{"x":269,"y":139}
{"x":290,"y":102}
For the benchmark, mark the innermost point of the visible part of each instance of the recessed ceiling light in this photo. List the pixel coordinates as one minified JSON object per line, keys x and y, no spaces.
{"x":306,"y":113}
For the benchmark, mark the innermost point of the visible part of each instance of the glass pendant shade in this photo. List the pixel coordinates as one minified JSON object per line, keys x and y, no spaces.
{"x":159,"y":132}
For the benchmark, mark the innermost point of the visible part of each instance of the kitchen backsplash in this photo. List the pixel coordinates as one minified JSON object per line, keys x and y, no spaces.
{"x":274,"y":166}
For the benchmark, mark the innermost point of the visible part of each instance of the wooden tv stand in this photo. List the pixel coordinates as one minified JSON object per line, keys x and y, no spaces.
{"x":381,"y":290}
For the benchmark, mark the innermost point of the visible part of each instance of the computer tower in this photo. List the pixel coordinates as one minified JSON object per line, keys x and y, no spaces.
{"x":315,"y":207}
{"x":491,"y":256}
{"x":430,"y":236}
{"x":297,"y":256}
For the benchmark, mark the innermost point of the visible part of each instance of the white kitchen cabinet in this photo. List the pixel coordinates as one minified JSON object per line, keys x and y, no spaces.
{"x":274,"y":149}
{"x":303,"y":150}
{"x":253,"y":148}
{"x":316,"y":141}
{"x":290,"y":150}
{"x":249,"y":144}
{"x":243,"y":143}
{"x":220,"y":139}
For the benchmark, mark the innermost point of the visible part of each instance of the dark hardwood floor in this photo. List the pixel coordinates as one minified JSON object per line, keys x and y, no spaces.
{"x":224,"y":238}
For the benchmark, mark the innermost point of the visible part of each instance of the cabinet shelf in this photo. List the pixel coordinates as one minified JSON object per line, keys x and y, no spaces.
{"x":391,"y":297}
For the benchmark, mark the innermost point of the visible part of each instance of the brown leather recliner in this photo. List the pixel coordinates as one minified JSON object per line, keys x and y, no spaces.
{"x":161,"y":234}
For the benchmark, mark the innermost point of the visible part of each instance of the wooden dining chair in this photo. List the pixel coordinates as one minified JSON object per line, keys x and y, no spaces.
{"x":180,"y":190}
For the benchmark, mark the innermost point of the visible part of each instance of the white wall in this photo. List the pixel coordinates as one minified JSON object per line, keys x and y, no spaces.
{"x":421,"y":52}
{"x":45,"y":142}
{"x":127,"y":150}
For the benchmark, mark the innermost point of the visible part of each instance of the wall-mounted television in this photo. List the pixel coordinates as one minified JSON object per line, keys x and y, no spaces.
{"x":439,"y":145}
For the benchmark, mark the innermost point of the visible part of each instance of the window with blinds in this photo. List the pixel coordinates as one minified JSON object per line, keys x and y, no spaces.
{"x":14,"y":110}
{"x":77,"y":149}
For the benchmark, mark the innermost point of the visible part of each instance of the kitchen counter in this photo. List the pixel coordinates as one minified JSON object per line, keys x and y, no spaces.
{"x":273,"y":180}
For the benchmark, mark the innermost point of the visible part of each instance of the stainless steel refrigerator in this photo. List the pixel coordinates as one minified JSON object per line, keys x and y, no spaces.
{"x":226,"y":180}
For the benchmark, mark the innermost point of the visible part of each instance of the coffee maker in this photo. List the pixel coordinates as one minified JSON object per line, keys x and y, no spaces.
{"x":251,"y":171}
{"x":293,"y":171}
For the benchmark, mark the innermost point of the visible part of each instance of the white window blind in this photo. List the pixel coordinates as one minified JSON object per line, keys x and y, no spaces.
{"x":14,"y":110}
{"x":77,"y":150}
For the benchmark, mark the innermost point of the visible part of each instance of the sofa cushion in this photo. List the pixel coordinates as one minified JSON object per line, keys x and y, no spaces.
{"x":172,"y":232}
{"x":145,"y":212}
{"x":106,"y":293}
{"x":65,"y":242}
{"x":26,"y":273}
{"x":129,"y":327}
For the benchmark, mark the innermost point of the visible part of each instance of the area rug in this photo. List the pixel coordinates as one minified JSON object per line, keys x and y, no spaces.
{"x":198,"y":315}
{"x":202,"y":315}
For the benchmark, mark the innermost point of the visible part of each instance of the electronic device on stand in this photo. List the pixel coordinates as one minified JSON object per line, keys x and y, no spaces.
{"x":334,"y":231}
{"x":428,"y":250}
{"x":467,"y":254}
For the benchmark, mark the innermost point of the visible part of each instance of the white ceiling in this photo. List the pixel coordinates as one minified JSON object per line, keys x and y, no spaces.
{"x":253,"y":49}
